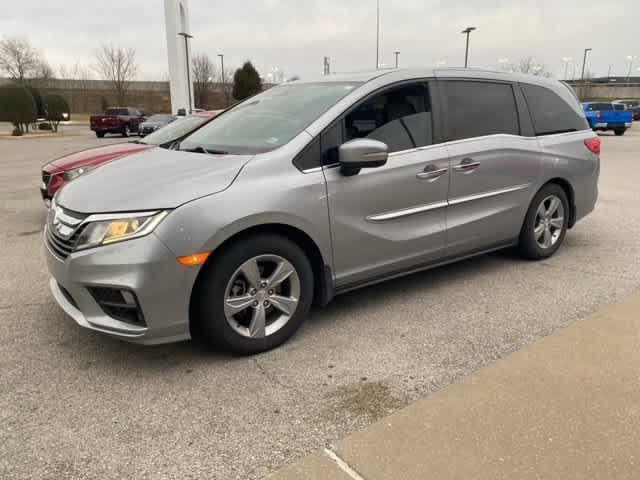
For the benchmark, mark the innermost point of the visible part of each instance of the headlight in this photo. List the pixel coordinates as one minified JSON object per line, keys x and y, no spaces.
{"x":105,"y":229}
{"x":75,"y":172}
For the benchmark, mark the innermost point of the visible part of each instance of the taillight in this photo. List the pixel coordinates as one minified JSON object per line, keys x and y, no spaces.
{"x":593,"y":144}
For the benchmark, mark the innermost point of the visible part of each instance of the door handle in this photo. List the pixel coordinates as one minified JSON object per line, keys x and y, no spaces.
{"x":467,"y":165}
{"x":431,"y":174}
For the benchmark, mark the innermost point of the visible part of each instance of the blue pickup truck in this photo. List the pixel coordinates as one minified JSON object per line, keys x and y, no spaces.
{"x":603,"y":116}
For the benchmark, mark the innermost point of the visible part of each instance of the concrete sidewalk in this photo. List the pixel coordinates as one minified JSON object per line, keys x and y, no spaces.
{"x":565,"y":407}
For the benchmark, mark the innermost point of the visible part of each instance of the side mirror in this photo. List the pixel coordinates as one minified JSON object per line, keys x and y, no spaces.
{"x":362,"y":153}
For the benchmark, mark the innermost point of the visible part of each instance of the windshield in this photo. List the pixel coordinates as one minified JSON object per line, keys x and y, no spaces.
{"x":174,"y":130}
{"x":160,"y":118}
{"x":268,"y":120}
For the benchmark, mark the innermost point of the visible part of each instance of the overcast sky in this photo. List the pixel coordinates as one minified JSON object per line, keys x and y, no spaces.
{"x":295,"y":35}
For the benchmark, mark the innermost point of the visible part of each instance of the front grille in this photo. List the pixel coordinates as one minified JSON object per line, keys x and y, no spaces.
{"x":63,"y":245}
{"x":60,"y":246}
{"x":46,"y":178}
{"x":120,"y":304}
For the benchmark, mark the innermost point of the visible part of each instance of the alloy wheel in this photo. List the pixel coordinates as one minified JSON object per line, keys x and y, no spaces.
{"x":549,"y":222}
{"x":261,"y":296}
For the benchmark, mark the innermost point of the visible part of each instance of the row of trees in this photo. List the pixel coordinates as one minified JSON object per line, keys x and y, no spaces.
{"x":118,"y":66}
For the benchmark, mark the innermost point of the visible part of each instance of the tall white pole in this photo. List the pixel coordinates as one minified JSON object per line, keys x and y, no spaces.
{"x":378,"y":35}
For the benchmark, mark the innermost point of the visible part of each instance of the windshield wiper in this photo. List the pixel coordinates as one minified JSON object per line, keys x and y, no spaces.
{"x":201,"y":149}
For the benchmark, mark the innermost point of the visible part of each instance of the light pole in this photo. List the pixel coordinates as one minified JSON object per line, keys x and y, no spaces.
{"x":631,"y":58}
{"x":224,"y":87}
{"x":467,"y":30}
{"x":566,"y":61}
{"x":186,"y":49}
{"x":378,"y":35}
{"x":584,"y":62}
{"x":397,"y":54}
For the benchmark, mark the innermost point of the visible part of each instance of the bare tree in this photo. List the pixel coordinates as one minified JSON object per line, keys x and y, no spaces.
{"x":118,"y":66}
{"x":18,"y":58}
{"x":42,"y":74}
{"x":528,"y":65}
{"x":204,"y":72}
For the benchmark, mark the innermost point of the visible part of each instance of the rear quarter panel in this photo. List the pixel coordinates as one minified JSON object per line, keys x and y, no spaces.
{"x":565,"y":156}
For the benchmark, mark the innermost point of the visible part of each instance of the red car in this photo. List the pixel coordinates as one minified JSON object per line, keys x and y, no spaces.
{"x":57,"y":173}
{"x":121,"y":120}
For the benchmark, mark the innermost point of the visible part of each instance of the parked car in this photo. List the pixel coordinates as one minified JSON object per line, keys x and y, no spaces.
{"x":57,"y":173}
{"x":633,"y":105}
{"x":603,"y":116}
{"x":311,"y":189}
{"x":120,"y":120}
{"x":155,"y":122}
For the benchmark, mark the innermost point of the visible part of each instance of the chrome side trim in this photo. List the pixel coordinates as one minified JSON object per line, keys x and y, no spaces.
{"x":383,"y":217}
{"x":493,"y":193}
{"x":405,"y":212}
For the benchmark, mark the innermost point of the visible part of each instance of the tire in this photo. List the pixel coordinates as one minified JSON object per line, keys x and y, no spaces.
{"x":100,"y":134}
{"x":126,"y":132}
{"x":531,"y":242}
{"x":223,"y":280}
{"x":619,"y":132}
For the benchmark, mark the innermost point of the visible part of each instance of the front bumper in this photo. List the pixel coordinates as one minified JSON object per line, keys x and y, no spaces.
{"x":144,"y":266}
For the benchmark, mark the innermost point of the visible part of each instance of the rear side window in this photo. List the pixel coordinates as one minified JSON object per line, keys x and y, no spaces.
{"x":550,"y":113}
{"x":474,"y":109}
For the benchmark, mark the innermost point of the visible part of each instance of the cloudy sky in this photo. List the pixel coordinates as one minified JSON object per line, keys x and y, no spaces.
{"x":295,"y":35}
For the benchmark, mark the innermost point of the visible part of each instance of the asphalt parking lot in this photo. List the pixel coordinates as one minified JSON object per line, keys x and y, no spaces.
{"x":75,"y":404}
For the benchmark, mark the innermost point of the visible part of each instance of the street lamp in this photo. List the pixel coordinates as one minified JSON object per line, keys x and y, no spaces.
{"x":397,"y":54}
{"x":631,"y":58}
{"x":566,"y":61}
{"x":224,"y":89}
{"x":584,"y":61}
{"x":467,"y":30}
{"x":186,"y":49}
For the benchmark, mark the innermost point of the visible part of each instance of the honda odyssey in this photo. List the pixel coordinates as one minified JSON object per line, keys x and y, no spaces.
{"x":314,"y":188}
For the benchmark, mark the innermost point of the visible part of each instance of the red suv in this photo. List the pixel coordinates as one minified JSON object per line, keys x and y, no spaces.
{"x":58,"y":172}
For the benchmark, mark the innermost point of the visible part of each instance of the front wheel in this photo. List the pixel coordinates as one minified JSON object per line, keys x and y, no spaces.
{"x":100,"y":134}
{"x":546,"y":223}
{"x":126,"y":132}
{"x":254,"y":295}
{"x":619,"y":132}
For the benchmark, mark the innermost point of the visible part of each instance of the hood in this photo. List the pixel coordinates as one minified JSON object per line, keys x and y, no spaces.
{"x":151,"y":180}
{"x":94,"y":156}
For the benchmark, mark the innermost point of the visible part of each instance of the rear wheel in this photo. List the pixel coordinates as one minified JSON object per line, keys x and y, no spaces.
{"x":126,"y":131}
{"x":100,"y":134}
{"x":619,"y":131}
{"x":545,"y":225}
{"x":254,"y":296}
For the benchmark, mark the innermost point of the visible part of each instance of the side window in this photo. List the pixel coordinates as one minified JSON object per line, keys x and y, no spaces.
{"x":400,"y":117}
{"x":474,"y":109}
{"x":550,"y":113}
{"x":323,"y":150}
{"x":309,"y":157}
{"x":330,"y":141}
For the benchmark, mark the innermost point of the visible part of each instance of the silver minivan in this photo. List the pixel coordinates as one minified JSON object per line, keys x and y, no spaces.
{"x":314,"y":188}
